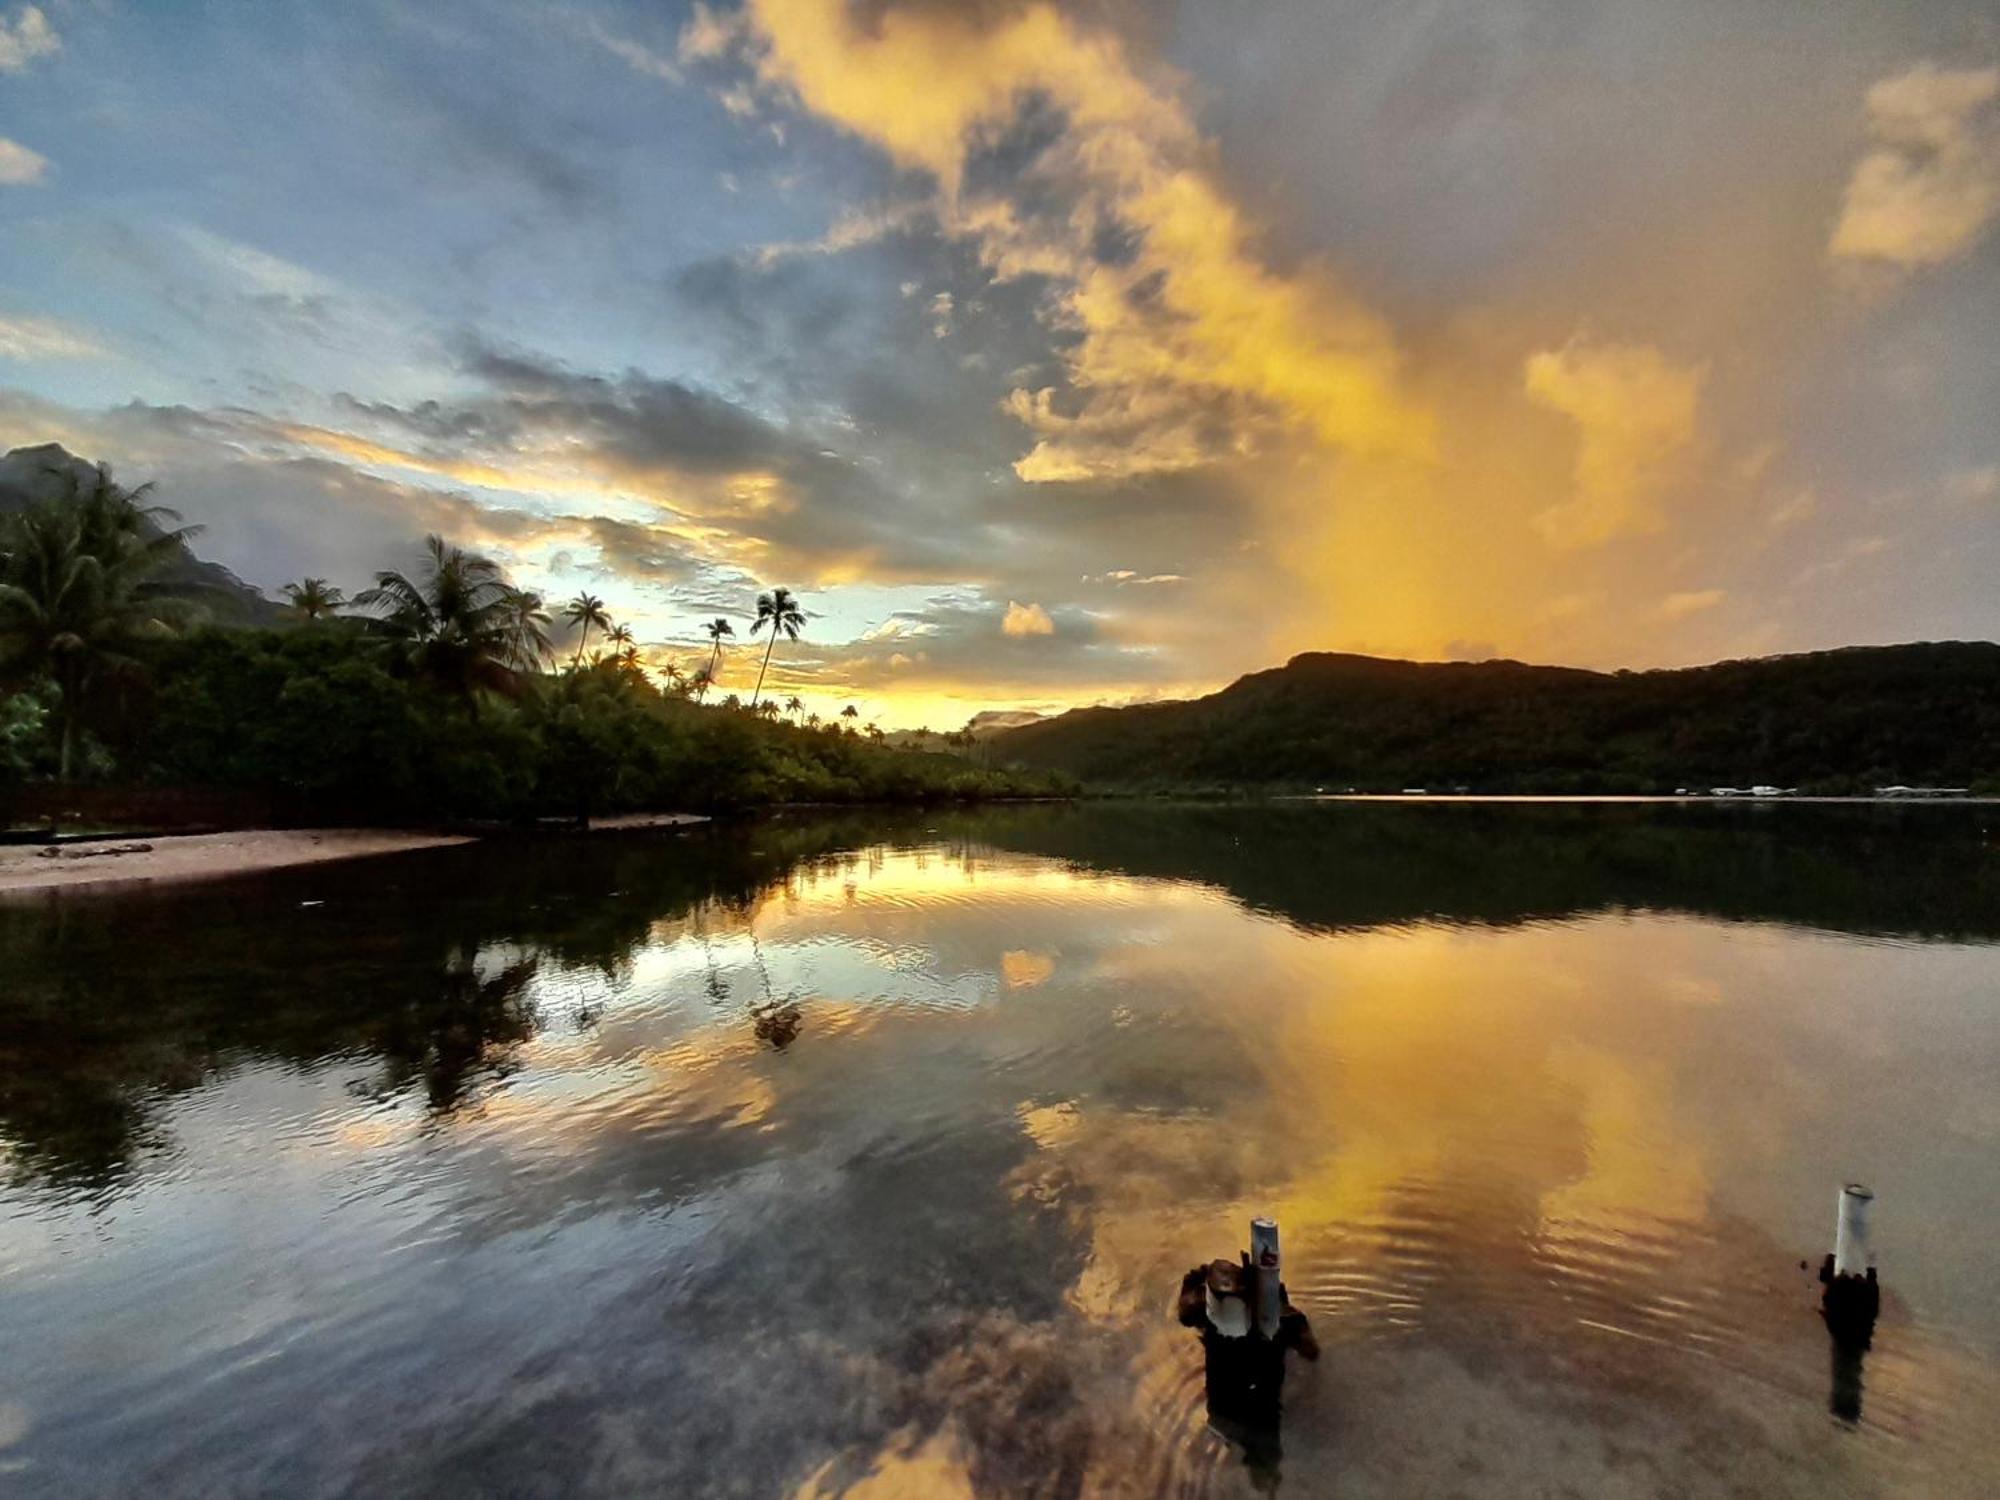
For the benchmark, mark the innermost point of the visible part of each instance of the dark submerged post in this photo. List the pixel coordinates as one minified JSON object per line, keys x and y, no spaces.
{"x":1852,"y":1299}
{"x":1246,"y":1323}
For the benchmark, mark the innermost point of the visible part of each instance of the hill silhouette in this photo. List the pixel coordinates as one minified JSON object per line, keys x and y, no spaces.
{"x":1832,"y":721}
{"x":30,"y":476}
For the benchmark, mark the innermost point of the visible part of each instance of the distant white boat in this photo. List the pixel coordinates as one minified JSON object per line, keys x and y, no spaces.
{"x":1415,"y":791}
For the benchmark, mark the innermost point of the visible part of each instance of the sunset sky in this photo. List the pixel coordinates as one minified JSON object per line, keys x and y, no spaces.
{"x":1054,"y":353}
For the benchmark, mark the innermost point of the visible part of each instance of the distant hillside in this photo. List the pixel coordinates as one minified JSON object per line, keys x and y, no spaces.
{"x":1828,"y":720}
{"x":28,"y":475}
{"x":993,"y":721}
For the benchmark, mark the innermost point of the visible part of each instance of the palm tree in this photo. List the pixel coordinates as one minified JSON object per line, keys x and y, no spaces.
{"x":794,"y":705}
{"x":813,"y":721}
{"x":717,"y":631}
{"x":77,"y":588}
{"x":314,"y":598}
{"x":850,"y":712}
{"x":457,"y":620}
{"x":781,"y":612}
{"x":527,"y":630}
{"x":677,"y":681}
{"x":619,"y":638}
{"x":585,"y":610}
{"x":700,"y":683}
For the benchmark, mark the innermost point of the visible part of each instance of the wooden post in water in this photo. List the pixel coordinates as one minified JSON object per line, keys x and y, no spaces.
{"x":1246,"y":1326}
{"x":1850,"y":1233}
{"x":1853,"y":1296}
{"x":1264,"y":1266}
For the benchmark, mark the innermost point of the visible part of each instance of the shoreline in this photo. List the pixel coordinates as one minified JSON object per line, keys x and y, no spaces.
{"x":27,"y":869}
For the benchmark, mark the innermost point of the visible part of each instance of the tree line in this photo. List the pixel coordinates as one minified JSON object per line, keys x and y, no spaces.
{"x":433,"y":692}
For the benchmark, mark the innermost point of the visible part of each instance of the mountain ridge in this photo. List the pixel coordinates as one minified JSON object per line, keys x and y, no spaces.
{"x":1847,"y":718}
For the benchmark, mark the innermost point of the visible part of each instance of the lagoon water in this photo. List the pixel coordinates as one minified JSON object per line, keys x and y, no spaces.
{"x":863,"y":1156}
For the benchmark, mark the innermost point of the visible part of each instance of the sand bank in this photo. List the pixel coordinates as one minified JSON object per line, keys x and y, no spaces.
{"x":626,"y":821}
{"x":36,"y":867}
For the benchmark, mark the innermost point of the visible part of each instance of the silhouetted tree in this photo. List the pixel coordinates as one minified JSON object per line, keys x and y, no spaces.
{"x":314,"y":598}
{"x":585,"y":610}
{"x":779,"y":610}
{"x":78,"y":590}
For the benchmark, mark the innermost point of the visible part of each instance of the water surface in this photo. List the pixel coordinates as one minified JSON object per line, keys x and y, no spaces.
{"x":863,"y":1156}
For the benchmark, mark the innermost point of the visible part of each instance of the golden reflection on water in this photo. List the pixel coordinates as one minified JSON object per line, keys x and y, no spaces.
{"x":1544,"y":1188}
{"x":1488,"y":1141}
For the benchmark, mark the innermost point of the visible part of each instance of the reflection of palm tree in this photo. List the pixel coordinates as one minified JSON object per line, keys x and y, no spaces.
{"x":781,"y":612}
{"x":772,"y":1020}
{"x":585,"y":610}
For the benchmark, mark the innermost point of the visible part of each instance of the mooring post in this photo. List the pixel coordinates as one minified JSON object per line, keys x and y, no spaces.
{"x":1264,"y":1262}
{"x":1850,"y":1233}
{"x":1853,"y":1297}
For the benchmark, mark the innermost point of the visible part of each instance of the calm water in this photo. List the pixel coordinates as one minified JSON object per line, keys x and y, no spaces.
{"x":863,"y":1157}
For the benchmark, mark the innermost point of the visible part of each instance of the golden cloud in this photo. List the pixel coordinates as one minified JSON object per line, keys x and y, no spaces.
{"x":1927,"y":191}
{"x":1634,"y":412}
{"x":1188,"y":347}
{"x":1026,"y":619}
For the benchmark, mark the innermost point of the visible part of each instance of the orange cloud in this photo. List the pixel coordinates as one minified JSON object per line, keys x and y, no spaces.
{"x":1191,"y":324}
{"x":1634,"y":412}
{"x":1026,"y":619}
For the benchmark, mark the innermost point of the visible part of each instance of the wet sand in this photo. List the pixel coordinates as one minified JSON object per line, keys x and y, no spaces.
{"x":202,"y":856}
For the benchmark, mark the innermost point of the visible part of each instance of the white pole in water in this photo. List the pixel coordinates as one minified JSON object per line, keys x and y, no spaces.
{"x":1264,"y":1257}
{"x":1850,"y":1238}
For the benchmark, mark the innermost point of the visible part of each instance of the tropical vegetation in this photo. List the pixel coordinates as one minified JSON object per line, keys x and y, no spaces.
{"x":434,"y":692}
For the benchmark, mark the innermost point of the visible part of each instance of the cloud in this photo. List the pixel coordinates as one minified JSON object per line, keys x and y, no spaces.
{"x":20,"y":167}
{"x":1972,"y":486}
{"x":1026,"y":619}
{"x":1064,"y":166}
{"x":1634,"y":411}
{"x":1692,"y":602}
{"x":1931,"y":185}
{"x":25,"y":38}
{"x":44,"y":338}
{"x":636,"y":55}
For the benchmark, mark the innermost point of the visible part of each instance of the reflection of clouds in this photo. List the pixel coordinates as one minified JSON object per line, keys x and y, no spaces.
{"x":1518,"y":1171}
{"x":1023,"y":969}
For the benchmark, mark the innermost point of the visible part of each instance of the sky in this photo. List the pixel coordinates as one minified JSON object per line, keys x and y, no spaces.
{"x":1054,"y":354}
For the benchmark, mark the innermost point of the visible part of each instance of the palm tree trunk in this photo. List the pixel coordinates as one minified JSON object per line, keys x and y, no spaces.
{"x":769,"y":646}
{"x":714,"y":658}
{"x":581,"y":641}
{"x":68,"y":744}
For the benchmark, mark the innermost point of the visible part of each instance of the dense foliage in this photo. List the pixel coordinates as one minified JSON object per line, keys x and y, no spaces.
{"x":331,"y":723}
{"x":443,"y":700}
{"x":1830,"y":721}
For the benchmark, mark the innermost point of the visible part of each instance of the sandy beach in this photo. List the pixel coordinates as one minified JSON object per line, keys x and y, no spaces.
{"x":202,"y":856}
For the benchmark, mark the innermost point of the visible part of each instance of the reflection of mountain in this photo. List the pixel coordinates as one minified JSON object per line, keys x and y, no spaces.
{"x":1912,"y":871}
{"x":423,"y":965}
